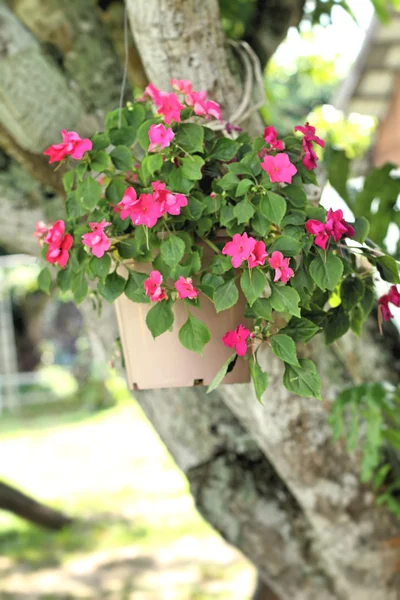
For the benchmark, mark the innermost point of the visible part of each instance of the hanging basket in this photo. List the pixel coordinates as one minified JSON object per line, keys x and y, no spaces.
{"x":163,"y":362}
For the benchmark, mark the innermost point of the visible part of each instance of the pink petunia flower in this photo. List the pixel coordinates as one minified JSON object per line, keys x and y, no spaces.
{"x":160,"y":137}
{"x":146,"y":212}
{"x":258,"y":256}
{"x":41,"y":231}
{"x":127,"y":203}
{"x":202,"y":106}
{"x":185,"y":288}
{"x":169,"y":202}
{"x":72,"y":145}
{"x":394,"y":296}
{"x":153,"y":289}
{"x":240,"y":248}
{"x":335,"y":227}
{"x":182,"y":85}
{"x":281,"y":265}
{"x":170,"y":107}
{"x":271,"y":138}
{"x":310,"y":157}
{"x":59,"y":244}
{"x":237,"y":339}
{"x":279,"y":168}
{"x":152,"y":93}
{"x":97,"y":239}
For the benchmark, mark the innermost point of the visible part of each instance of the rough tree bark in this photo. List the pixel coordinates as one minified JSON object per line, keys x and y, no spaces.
{"x":267,"y":477}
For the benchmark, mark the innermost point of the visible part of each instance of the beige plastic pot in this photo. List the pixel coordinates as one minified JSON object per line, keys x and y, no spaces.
{"x":163,"y":362}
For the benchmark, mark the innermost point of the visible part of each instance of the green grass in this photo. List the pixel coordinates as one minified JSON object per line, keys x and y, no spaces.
{"x":111,"y":473}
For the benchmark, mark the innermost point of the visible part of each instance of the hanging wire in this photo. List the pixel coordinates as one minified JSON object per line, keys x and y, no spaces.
{"x":126,"y":62}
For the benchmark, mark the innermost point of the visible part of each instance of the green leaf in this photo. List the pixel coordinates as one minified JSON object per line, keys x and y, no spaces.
{"x":116,"y":117}
{"x":357,"y":319}
{"x":191,"y":167}
{"x":143,"y":133}
{"x":262,"y":308}
{"x":243,"y":211}
{"x":150,"y":165}
{"x":190,"y":137}
{"x":135,"y":115}
{"x":284,"y":348}
{"x":68,"y":181}
{"x":220,"y":264}
{"x":388,"y":268}
{"x":362,"y":229}
{"x":112,"y":286}
{"x":225,"y":149}
{"x":338,"y":170}
{"x":226,"y":296}
{"x":115,"y":190}
{"x":178,"y":183}
{"x":392,"y":436}
{"x":44,"y":280}
{"x":260,"y":224}
{"x":252,"y":282}
{"x":336,"y":324}
{"x":221,"y":374}
{"x":209,"y":283}
{"x":88,"y":193}
{"x":351,"y":292}
{"x":367,"y":301}
{"x":64,"y":278}
{"x":285,"y":299}
{"x":273,"y":207}
{"x":160,"y":318}
{"x":326,"y":269}
{"x":259,"y":377}
{"x":296,"y":194}
{"x":243,"y":187}
{"x":124,"y":136}
{"x":122,"y":158}
{"x":300,"y":330}
{"x":289,"y":246}
{"x":100,"y":266}
{"x":100,"y":141}
{"x":303,"y":380}
{"x":228,"y":182}
{"x":128,"y":248}
{"x":172,"y":250}
{"x":79,"y":287}
{"x":73,"y":207}
{"x":100,"y":161}
{"x":194,"y":335}
{"x":134,"y":289}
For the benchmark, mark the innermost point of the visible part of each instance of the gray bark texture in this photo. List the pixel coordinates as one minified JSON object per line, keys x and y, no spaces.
{"x":267,"y":477}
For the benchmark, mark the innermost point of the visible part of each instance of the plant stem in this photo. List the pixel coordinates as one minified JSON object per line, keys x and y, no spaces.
{"x":211,"y":245}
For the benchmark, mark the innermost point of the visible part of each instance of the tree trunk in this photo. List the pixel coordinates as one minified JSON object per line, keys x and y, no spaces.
{"x":29,"y":509}
{"x":268,"y":478}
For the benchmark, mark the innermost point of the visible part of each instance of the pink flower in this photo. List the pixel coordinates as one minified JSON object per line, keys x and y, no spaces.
{"x":146,"y":211}
{"x":258,"y":256}
{"x":318,"y":229}
{"x":394,"y":296}
{"x":202,"y":106}
{"x":97,"y":239}
{"x":59,"y":244}
{"x":152,"y":93}
{"x":335,"y":227}
{"x":153,"y":289}
{"x":271,"y":138}
{"x":310,"y":157}
{"x":72,"y":145}
{"x":55,"y":233}
{"x":240,"y":248}
{"x":279,"y":168}
{"x":127,"y":203}
{"x":185,"y":288}
{"x":41,"y":231}
{"x":169,"y":202}
{"x":281,"y":265}
{"x":237,"y":339}
{"x":170,"y":107}
{"x":182,"y":85}
{"x":160,"y":137}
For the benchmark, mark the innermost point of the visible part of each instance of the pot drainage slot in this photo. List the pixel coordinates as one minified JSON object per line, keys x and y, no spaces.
{"x":198,"y":382}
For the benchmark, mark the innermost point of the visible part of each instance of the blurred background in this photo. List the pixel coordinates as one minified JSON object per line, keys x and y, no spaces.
{"x":71,"y":435}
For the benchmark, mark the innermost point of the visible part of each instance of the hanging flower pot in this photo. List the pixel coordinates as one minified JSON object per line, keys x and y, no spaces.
{"x":146,"y":202}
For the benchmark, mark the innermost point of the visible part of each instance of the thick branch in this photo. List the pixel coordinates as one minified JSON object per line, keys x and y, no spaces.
{"x":29,"y":509}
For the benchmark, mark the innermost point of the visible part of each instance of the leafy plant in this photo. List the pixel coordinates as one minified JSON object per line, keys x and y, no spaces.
{"x":160,"y":187}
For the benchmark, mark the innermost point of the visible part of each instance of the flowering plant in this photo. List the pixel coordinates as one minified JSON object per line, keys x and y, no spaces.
{"x":167,"y":179}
